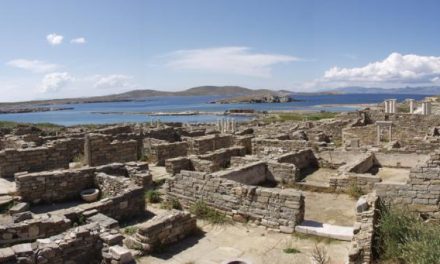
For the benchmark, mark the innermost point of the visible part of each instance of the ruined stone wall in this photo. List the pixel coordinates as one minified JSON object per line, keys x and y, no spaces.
{"x":222,"y":158}
{"x":165,"y":229}
{"x":202,"y":145}
{"x":158,"y":153}
{"x":422,"y":191}
{"x":362,"y":244}
{"x":175,"y":165}
{"x":244,"y":141}
{"x":56,"y":154}
{"x":54,"y":186}
{"x":32,"y":229}
{"x":408,"y":129}
{"x":264,"y":147}
{"x":301,"y":159}
{"x":280,"y":209}
{"x":102,"y":149}
{"x":343,"y":183}
{"x":283,"y":173}
{"x":84,"y":244}
{"x":252,"y":174}
{"x":168,"y":133}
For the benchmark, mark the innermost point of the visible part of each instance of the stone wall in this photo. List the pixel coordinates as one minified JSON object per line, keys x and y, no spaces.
{"x":64,"y":185}
{"x":31,"y":229}
{"x":202,"y":145}
{"x":265,"y":147}
{"x":280,"y":209}
{"x":102,"y":149}
{"x":251,"y":174}
{"x":167,"y":133}
{"x":56,"y":154}
{"x":422,"y":191}
{"x":89,"y":243}
{"x":163,"y":230}
{"x":302,"y":159}
{"x":362,"y":244}
{"x":158,"y":153}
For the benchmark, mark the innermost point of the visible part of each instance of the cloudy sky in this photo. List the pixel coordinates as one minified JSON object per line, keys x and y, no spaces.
{"x":55,"y":49}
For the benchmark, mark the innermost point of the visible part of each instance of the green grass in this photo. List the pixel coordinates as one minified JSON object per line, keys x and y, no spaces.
{"x":290,"y":250}
{"x":171,"y":203}
{"x":131,"y":230}
{"x":202,"y":211}
{"x":153,"y":196}
{"x":404,"y":238}
{"x":355,"y":191}
{"x":293,"y":116}
{"x":42,"y":126}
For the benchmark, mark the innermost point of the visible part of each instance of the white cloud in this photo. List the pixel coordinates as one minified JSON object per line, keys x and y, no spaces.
{"x":230,"y":60}
{"x":53,"y":82}
{"x":33,"y":65}
{"x":80,"y":40}
{"x":54,"y":39}
{"x":396,"y":68}
{"x":113,"y":81}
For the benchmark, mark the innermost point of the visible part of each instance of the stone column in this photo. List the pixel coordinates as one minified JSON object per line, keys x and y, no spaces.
{"x":411,"y":106}
{"x":386,"y":106}
{"x":378,"y":135}
{"x":393,"y":106}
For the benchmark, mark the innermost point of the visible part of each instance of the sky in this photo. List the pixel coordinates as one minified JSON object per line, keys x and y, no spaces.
{"x":74,"y":48}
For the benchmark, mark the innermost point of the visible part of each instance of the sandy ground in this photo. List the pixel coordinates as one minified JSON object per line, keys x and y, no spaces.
{"x":393,"y":175}
{"x":256,"y":245}
{"x":330,"y":208}
{"x":320,"y":177}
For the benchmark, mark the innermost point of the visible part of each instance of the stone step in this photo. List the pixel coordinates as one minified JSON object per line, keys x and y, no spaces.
{"x":310,"y":227}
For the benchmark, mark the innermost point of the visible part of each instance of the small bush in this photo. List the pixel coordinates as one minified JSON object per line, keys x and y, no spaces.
{"x":320,"y":255}
{"x":172,"y":203}
{"x":291,"y":250}
{"x":405,"y":238}
{"x":355,"y":191}
{"x":201,"y":210}
{"x":152,"y":196}
{"x":131,"y":230}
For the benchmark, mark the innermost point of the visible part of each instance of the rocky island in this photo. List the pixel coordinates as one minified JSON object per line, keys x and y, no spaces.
{"x":256,"y":99}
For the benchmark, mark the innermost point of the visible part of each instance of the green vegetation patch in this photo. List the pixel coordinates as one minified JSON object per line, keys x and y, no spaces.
{"x":153,"y":196}
{"x":294,"y":116}
{"x":202,"y":211}
{"x":405,"y":238}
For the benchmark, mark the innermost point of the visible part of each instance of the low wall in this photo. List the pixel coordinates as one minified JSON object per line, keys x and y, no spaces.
{"x":264,"y":147}
{"x":84,"y":244}
{"x":301,"y":159}
{"x":280,"y":209}
{"x":158,"y":153}
{"x":163,"y":230}
{"x":202,"y":145}
{"x":102,"y":149}
{"x":251,"y":174}
{"x":56,"y":154}
{"x":362,"y":244}
{"x":421,"y":193}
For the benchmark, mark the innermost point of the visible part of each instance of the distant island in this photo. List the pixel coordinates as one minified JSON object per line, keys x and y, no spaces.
{"x":256,"y":99}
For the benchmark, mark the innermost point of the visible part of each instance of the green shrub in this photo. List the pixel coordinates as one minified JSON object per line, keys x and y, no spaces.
{"x":171,"y":203}
{"x":405,"y":238}
{"x":131,"y":230}
{"x":355,"y":191}
{"x":152,"y":196}
{"x":291,"y":250}
{"x":201,"y":210}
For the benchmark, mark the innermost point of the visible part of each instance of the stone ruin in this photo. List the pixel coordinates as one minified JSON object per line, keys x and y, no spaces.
{"x":267,"y":175}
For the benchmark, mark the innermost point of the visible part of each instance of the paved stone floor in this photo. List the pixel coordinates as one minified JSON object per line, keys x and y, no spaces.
{"x":253,"y":244}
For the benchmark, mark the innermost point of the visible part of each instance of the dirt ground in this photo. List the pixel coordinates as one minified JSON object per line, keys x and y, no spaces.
{"x":331,"y":208}
{"x":320,"y":177}
{"x":393,"y":175}
{"x":255,"y":245}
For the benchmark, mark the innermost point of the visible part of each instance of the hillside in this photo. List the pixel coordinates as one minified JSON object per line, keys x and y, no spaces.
{"x":426,"y":90}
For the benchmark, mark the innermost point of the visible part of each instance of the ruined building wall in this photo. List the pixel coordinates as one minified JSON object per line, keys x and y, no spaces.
{"x":264,"y":147}
{"x":158,"y":153}
{"x":202,"y":145}
{"x":422,"y":191}
{"x":281,"y":209}
{"x":56,"y":154}
{"x":362,"y":244}
{"x":102,"y":149}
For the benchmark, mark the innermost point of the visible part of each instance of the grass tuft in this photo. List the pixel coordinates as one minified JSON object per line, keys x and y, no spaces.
{"x":202,"y":211}
{"x":153,"y":196}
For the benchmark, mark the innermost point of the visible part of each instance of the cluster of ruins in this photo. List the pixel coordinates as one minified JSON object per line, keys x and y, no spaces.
{"x":65,"y":196}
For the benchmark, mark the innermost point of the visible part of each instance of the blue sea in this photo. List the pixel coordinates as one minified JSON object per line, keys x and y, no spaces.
{"x":124,"y":111}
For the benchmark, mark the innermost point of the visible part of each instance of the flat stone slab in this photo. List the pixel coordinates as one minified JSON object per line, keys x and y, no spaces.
{"x":7,"y":186}
{"x":325,"y":230}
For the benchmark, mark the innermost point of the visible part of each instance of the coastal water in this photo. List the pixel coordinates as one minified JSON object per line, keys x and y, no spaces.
{"x":116,"y":112}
